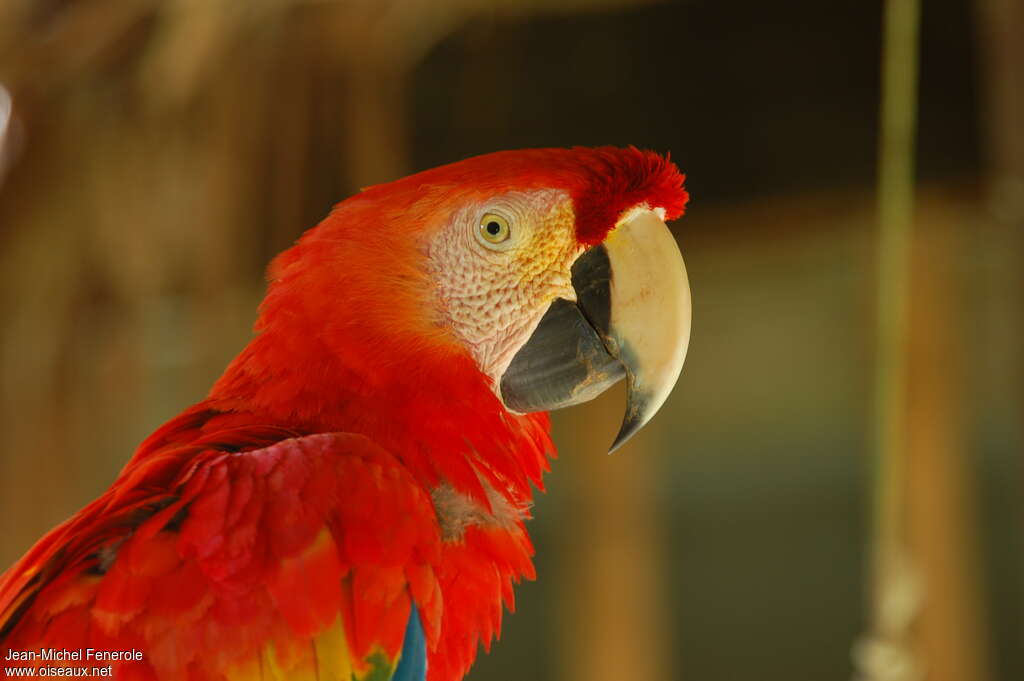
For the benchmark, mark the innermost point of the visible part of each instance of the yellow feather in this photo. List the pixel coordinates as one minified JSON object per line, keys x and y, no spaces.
{"x":245,"y":671}
{"x":271,"y":669}
{"x":332,"y":654}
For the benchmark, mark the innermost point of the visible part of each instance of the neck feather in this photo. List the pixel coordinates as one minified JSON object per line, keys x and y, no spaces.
{"x":433,"y":410}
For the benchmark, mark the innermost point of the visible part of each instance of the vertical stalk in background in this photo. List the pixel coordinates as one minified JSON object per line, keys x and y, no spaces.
{"x":885,"y":655}
{"x":613,"y":606}
{"x":941,"y":516}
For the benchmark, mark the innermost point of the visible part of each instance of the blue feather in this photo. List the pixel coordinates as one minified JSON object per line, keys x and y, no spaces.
{"x":413,"y":664}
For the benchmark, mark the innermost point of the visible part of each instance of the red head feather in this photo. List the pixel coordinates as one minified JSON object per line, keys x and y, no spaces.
{"x":602,"y":181}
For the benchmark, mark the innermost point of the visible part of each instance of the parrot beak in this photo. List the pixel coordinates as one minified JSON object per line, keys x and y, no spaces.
{"x":631,"y":319}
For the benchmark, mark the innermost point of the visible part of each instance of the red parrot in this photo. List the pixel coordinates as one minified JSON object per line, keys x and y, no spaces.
{"x":348,"y":503}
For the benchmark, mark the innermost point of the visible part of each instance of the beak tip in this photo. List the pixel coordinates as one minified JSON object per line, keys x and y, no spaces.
{"x":636,"y":418}
{"x":621,"y":438}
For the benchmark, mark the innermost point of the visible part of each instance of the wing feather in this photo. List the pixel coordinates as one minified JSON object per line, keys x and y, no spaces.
{"x":299,"y":560}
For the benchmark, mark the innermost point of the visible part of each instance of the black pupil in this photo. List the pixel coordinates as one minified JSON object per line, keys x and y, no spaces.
{"x":493,"y":228}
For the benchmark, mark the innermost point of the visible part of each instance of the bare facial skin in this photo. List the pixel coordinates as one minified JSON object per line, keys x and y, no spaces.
{"x":494,"y":288}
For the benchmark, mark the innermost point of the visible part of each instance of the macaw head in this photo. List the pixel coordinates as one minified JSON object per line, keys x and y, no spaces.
{"x":549,"y":273}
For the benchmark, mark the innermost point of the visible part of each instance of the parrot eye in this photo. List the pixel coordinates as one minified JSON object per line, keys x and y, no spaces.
{"x":494,"y":229}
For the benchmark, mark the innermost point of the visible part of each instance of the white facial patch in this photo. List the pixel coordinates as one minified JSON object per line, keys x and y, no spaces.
{"x":494,"y":295}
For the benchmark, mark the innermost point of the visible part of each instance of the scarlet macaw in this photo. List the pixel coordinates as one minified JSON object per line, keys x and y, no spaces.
{"x":348,"y":502}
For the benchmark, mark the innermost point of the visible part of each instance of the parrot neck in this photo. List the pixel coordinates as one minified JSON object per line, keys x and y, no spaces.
{"x":434,"y":411}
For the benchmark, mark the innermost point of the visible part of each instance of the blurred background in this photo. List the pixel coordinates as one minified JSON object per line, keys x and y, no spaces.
{"x":155,"y":154}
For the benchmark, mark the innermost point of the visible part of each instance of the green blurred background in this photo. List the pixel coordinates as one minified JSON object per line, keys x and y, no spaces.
{"x":160,"y":152}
